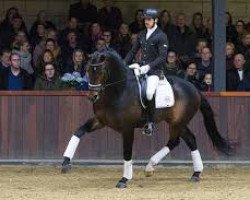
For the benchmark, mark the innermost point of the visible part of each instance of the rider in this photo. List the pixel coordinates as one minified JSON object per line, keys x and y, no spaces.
{"x":153,"y":43}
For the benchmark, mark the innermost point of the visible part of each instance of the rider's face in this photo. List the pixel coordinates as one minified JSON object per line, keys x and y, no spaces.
{"x":149,"y":22}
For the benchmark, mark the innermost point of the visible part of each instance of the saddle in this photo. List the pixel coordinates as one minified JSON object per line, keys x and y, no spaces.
{"x":164,"y":95}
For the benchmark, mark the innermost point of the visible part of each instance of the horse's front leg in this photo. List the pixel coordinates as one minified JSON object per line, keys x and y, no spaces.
{"x":91,"y":125}
{"x":128,"y":139}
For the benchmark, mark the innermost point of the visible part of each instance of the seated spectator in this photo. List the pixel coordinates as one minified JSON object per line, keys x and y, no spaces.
{"x":205,"y":65}
{"x":26,"y":57}
{"x":78,"y":65}
{"x":5,"y":59}
{"x":183,"y":41}
{"x":238,"y":78}
{"x":201,"y":43}
{"x":96,"y":33}
{"x":209,"y":32}
{"x":138,"y":24}
{"x":49,"y":80}
{"x":72,"y":25}
{"x":172,"y":65}
{"x":240,"y":28}
{"x":197,"y":25}
{"x":110,"y":16}
{"x":19,"y":38}
{"x":166,"y":24}
{"x":38,"y":35}
{"x":56,"y":51}
{"x":41,"y":18}
{"x":122,"y":42}
{"x":37,"y":53}
{"x":100,"y":44}
{"x":208,"y":83}
{"x":230,"y":48}
{"x":45,"y":58}
{"x":14,"y":77}
{"x":244,"y":46}
{"x":192,"y":76}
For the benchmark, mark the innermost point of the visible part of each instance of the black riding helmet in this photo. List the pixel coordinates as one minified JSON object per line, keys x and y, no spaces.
{"x":150,"y":12}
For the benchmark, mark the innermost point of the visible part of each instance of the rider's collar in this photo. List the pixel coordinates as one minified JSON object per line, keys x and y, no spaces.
{"x":151,"y":30}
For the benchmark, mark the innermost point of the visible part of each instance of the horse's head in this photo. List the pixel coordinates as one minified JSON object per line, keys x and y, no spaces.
{"x":96,"y":71}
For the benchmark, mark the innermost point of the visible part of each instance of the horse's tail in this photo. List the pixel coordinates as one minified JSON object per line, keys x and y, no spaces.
{"x":219,"y":142}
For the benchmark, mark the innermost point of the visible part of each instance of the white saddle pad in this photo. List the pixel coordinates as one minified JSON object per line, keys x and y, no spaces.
{"x":164,"y":95}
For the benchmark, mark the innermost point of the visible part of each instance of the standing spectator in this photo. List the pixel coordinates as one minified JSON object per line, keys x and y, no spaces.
{"x":25,"y":57}
{"x":166,"y":23}
{"x":238,"y":78}
{"x":197,"y":25}
{"x":5,"y":59}
{"x":14,"y":77}
{"x":138,"y":24}
{"x":110,"y":16}
{"x":183,"y":41}
{"x":49,"y":80}
{"x":231,"y":32}
{"x":6,"y":23}
{"x":84,"y":11}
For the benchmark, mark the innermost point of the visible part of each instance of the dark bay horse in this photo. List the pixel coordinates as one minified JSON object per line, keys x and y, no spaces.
{"x":117,"y":105}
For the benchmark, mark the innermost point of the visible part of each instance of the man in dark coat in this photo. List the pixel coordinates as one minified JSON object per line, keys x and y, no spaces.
{"x":153,"y":43}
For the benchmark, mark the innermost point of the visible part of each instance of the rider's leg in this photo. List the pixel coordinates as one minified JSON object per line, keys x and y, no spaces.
{"x":152,"y":83}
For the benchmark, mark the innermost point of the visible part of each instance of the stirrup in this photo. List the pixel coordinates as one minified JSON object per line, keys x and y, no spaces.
{"x":148,"y":129}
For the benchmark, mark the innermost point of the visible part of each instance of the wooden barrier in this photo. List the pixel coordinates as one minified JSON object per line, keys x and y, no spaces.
{"x":38,"y":125}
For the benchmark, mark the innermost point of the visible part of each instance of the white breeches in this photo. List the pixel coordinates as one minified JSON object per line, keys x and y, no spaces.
{"x":152,"y":83}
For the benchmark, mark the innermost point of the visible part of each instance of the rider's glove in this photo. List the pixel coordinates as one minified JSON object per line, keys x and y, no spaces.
{"x":144,"y":69}
{"x":134,"y":66}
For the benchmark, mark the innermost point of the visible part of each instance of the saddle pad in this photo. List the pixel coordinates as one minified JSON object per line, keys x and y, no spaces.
{"x":164,"y":96}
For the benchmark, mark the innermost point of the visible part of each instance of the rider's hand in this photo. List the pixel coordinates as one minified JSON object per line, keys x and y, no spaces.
{"x":144,"y":69}
{"x":134,"y":66}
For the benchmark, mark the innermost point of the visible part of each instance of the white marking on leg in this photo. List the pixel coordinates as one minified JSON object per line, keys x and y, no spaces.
{"x":155,"y":159}
{"x":127,"y":169}
{"x":71,"y":148}
{"x":197,"y":162}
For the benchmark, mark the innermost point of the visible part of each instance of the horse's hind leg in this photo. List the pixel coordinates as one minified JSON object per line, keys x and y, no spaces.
{"x":89,"y":126}
{"x":173,"y":141}
{"x":190,"y":140}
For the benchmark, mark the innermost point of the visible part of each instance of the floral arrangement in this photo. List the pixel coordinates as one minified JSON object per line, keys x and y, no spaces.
{"x":72,"y":80}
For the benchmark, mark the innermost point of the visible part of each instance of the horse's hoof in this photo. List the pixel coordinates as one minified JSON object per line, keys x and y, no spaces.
{"x":195,"y":177}
{"x":149,"y":170}
{"x":66,"y":168}
{"x":122,"y":183}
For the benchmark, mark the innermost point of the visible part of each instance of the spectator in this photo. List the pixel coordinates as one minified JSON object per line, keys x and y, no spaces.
{"x":100,"y":44}
{"x":14,"y":77}
{"x":238,"y":78}
{"x":172,"y":65}
{"x":201,"y":43}
{"x":110,"y":16}
{"x":6,"y":23}
{"x":138,"y":24}
{"x":240,"y":28}
{"x":230,"y":49}
{"x":45,"y":58}
{"x":49,"y":80}
{"x":209,"y":32}
{"x":96,"y":33}
{"x":20,"y":38}
{"x":5,"y":59}
{"x":197,"y":25}
{"x":37,"y":35}
{"x":122,"y":42}
{"x":183,"y":41}
{"x":208,"y":83}
{"x":244,"y":46}
{"x":84,"y":11}
{"x":25,"y":57}
{"x":41,"y":18}
{"x":166,"y":24}
{"x":231,"y":32}
{"x":205,"y":65}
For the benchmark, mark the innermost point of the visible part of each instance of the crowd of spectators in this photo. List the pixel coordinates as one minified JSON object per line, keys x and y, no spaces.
{"x":38,"y":58}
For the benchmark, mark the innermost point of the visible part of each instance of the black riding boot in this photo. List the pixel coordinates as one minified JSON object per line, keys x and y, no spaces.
{"x":149,"y":126}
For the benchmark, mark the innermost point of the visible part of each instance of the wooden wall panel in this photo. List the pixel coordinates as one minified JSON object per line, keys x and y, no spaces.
{"x":38,"y":125}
